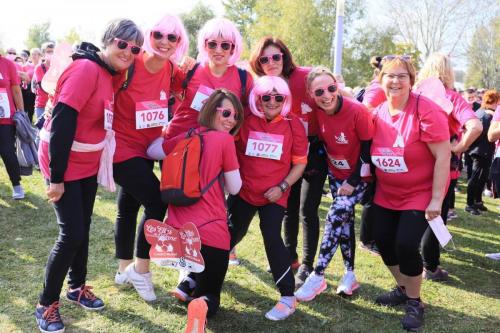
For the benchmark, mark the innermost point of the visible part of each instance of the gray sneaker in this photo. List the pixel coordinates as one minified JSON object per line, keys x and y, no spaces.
{"x":17,"y":192}
{"x":394,"y":297}
{"x":439,"y":275}
{"x":414,"y":317}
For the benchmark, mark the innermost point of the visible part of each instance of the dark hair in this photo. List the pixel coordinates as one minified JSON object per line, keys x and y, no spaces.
{"x":123,"y":29}
{"x":288,"y":64}
{"x":209,"y":109}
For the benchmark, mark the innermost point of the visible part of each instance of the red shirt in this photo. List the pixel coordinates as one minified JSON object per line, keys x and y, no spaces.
{"x":259,"y":174}
{"x":145,"y":86}
{"x":461,"y":113}
{"x":342,"y":134}
{"x":8,"y":79}
{"x":374,"y":94}
{"x":302,"y":105}
{"x":209,"y":214}
{"x":185,"y":117}
{"x":41,"y":96}
{"x":77,"y":88}
{"x":496,"y":117}
{"x":411,"y":189}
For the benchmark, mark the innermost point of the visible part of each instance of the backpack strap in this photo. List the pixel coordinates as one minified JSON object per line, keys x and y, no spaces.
{"x":243,"y":79}
{"x":128,"y":77}
{"x":189,"y":76}
{"x":44,"y":68}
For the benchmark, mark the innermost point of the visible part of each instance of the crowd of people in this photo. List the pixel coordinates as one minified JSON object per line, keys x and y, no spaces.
{"x":272,"y":133}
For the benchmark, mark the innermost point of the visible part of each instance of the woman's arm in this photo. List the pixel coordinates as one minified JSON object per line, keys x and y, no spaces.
{"x":232,"y":181}
{"x":494,"y":131}
{"x":473,"y":129}
{"x":441,"y":152}
{"x":17,"y":95}
{"x":155,"y":150}
{"x":274,"y":193}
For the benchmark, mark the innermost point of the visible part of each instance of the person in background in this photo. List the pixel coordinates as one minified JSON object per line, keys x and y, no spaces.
{"x":28,"y":95}
{"x":41,"y":96}
{"x":494,"y":135}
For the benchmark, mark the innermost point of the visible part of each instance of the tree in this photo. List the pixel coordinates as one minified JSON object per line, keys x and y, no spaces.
{"x":242,"y":13}
{"x":37,"y":35}
{"x":194,"y":21}
{"x":72,"y":37}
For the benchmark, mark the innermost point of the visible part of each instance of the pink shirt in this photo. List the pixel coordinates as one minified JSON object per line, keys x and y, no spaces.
{"x":496,"y":117}
{"x":417,"y":127}
{"x":374,"y":94}
{"x":41,"y":96}
{"x":8,"y":79}
{"x":461,"y":113}
{"x":209,"y":214}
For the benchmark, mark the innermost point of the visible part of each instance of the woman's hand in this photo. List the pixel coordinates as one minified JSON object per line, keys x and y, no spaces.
{"x":273,"y":194}
{"x":433,"y":210}
{"x":345,"y":189}
{"x":55,"y":192}
{"x":187,"y":63}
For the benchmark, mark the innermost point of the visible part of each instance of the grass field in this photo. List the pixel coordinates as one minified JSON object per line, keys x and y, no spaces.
{"x":469,"y":302}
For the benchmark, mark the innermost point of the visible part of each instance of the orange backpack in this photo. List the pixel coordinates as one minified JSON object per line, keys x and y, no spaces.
{"x":180,"y":176}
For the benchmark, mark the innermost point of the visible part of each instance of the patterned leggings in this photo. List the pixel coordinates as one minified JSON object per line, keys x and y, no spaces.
{"x":339,"y":227}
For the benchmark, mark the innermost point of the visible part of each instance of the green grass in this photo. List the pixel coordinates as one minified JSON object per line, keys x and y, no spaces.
{"x":469,"y":302}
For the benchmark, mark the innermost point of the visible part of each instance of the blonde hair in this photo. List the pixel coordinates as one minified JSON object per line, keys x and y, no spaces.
{"x":438,"y":66}
{"x":396,"y":62}
{"x":316,"y":72}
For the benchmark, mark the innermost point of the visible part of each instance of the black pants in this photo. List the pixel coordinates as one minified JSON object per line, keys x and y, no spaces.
{"x":271,"y":217}
{"x":28,"y":101}
{"x":453,"y":185}
{"x":8,"y":153}
{"x":139,"y":186}
{"x":209,"y":282}
{"x":479,"y":177}
{"x":70,"y":252}
{"x":365,"y":231}
{"x":398,"y":234}
{"x":305,"y":197}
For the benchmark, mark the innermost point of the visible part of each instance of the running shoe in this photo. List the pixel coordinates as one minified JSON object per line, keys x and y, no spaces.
{"x":142,"y":283}
{"x":184,"y":290}
{"x":452,"y":214}
{"x":348,"y":284}
{"x":48,"y":318}
{"x":281,"y":310}
{"x":197,"y":316}
{"x":302,"y":274}
{"x":394,"y":297}
{"x":17,"y":192}
{"x":84,"y":297}
{"x":233,"y":259}
{"x":315,"y":284}
{"x":121,"y":278}
{"x":481,"y":207}
{"x":414,"y":317}
{"x":438,"y":275}
{"x":472,"y":210}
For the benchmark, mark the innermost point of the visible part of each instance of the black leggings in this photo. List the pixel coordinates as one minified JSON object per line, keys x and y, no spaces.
{"x":139,"y":186}
{"x":70,"y":252}
{"x":479,"y":177}
{"x":209,"y":282}
{"x":305,"y":196}
{"x":398,"y":234}
{"x":8,"y":153}
{"x":271,"y":217}
{"x":365,"y":230}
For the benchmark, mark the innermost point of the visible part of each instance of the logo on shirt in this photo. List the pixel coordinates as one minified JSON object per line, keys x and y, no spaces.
{"x":341,"y":139}
{"x":163,"y":95}
{"x":399,"y":143}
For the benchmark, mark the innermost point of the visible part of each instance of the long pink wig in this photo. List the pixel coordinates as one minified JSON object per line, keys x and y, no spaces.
{"x":169,"y":24}
{"x":219,"y":27}
{"x":265,"y":85}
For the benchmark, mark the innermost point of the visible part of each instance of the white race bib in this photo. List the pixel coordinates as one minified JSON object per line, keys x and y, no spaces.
{"x":339,"y":162}
{"x":108,"y":116}
{"x":201,"y":96}
{"x":390,"y":159}
{"x":4,"y":104}
{"x":151,"y":114}
{"x":264,"y":145}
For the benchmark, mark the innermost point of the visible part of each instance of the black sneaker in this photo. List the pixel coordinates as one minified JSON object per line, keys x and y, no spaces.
{"x":84,"y":297}
{"x":394,"y":297}
{"x":48,"y":318}
{"x":472,"y":210}
{"x":481,"y":207}
{"x":184,"y":290}
{"x":302,"y":274}
{"x":414,"y":317}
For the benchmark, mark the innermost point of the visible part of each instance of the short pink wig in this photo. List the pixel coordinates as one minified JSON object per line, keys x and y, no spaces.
{"x":220,"y":27}
{"x":265,"y":85}
{"x":169,"y":24}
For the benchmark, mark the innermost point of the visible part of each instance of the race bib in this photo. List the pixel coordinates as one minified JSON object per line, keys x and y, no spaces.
{"x":4,"y":104}
{"x":108,"y":116}
{"x":390,"y":160}
{"x":305,"y":108}
{"x":497,"y":152}
{"x":179,"y":249}
{"x":151,"y":114}
{"x":339,"y":162}
{"x":201,"y":96}
{"x":264,"y":145}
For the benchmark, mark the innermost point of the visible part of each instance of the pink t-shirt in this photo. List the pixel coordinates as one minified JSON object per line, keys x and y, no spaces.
{"x":77,"y":88}
{"x":29,"y":69}
{"x":496,"y":117}
{"x":461,"y":113}
{"x":374,"y":94}
{"x":417,"y":127}
{"x":209,"y":214}
{"x":41,"y":96}
{"x":8,"y":79}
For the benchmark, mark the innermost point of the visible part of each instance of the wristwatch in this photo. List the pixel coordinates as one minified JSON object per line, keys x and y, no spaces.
{"x":284,"y":186}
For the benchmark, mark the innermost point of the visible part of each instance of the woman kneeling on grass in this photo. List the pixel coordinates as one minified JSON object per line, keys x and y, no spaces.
{"x":272,"y":151}
{"x":220,"y":117}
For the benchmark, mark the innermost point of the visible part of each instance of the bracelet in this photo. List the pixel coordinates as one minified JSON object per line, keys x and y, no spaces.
{"x":284,"y":186}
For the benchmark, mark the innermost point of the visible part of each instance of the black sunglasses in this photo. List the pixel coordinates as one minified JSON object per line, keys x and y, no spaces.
{"x":122,"y":45}
{"x":319,"y":92}
{"x":212,"y":45}
{"x":226,"y":113}
{"x":158,"y":35}
{"x":277,"y":98}
{"x":266,"y":59}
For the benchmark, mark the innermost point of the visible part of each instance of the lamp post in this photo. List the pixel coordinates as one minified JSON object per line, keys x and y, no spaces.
{"x":339,"y":31}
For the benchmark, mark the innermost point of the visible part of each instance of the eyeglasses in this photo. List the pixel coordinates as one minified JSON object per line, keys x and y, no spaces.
{"x":122,"y":45}
{"x":392,"y":57}
{"x":212,"y":45}
{"x":158,"y":35}
{"x":274,"y":57}
{"x":320,"y":91}
{"x":226,"y":113}
{"x":277,"y":98}
{"x":399,"y":77}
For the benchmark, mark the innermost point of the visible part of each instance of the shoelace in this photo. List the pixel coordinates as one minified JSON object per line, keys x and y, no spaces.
{"x":412,"y":310}
{"x":52,"y":313}
{"x":85,"y":291}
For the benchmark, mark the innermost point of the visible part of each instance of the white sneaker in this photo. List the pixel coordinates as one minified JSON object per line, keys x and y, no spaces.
{"x":314,"y":285}
{"x":121,"y":278}
{"x":281,"y":310}
{"x":487,"y":193}
{"x":142,"y":283}
{"x":348,"y":284}
{"x":17,"y":192}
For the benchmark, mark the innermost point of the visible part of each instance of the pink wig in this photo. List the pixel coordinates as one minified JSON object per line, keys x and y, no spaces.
{"x":169,"y":24}
{"x":219,"y":27}
{"x":265,"y":85}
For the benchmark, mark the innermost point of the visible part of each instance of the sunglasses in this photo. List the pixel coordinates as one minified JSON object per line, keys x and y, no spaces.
{"x":212,"y":45}
{"x":158,"y":35}
{"x":122,"y":45}
{"x":392,"y":57}
{"x":319,"y":92}
{"x":277,"y":98}
{"x":13,"y":53}
{"x":274,"y":57}
{"x":226,"y":113}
